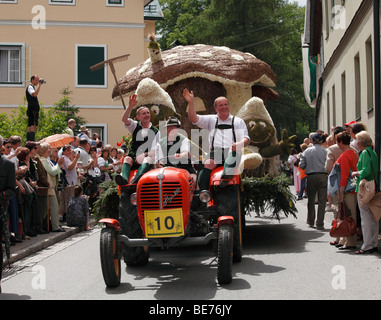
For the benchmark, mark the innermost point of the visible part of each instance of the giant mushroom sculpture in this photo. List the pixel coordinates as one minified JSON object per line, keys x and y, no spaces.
{"x":210,"y":71}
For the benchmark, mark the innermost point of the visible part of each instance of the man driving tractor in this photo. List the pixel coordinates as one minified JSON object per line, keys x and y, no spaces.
{"x":228,"y":135}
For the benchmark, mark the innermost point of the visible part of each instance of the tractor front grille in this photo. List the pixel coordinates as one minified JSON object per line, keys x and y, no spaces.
{"x":154,"y":196}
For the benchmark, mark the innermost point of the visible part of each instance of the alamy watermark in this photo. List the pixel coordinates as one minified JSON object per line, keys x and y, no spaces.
{"x":39,"y":280}
{"x":339,"y":20}
{"x":339,"y":281}
{"x":39,"y":20}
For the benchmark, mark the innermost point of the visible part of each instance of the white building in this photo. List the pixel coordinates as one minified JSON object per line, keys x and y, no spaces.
{"x":343,"y":37}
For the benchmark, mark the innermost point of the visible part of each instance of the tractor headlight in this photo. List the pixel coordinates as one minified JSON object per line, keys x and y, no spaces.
{"x":205,"y":196}
{"x":134,"y":199}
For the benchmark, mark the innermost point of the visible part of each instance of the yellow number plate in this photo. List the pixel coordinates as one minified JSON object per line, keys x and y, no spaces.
{"x":164,"y":223}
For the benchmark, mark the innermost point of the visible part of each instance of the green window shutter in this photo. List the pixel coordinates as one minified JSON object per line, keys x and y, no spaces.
{"x":87,"y":57}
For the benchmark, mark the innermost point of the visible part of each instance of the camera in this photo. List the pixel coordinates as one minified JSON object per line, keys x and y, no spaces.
{"x":41,"y":81}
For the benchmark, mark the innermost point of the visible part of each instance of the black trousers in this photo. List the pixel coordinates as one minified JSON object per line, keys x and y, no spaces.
{"x":1,"y":250}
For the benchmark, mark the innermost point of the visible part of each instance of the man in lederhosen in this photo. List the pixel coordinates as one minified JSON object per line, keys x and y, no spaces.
{"x":33,"y":110}
{"x":228,"y":135}
{"x":174,"y":149}
{"x":144,"y":139}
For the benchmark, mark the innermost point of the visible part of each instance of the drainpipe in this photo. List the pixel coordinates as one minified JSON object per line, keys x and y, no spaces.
{"x":377,"y":111}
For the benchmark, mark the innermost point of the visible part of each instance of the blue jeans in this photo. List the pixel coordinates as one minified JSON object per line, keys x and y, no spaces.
{"x":302,"y":187}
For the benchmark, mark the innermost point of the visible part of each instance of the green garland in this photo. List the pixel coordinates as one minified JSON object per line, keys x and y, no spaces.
{"x":271,"y":192}
{"x":107,"y":204}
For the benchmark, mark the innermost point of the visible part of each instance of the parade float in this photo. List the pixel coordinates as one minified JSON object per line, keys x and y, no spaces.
{"x":213,"y":71}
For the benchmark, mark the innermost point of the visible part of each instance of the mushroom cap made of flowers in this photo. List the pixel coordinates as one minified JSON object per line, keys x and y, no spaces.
{"x":149,"y":92}
{"x":221,"y":64}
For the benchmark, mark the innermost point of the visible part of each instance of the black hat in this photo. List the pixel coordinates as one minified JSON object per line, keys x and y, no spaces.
{"x":173,"y":121}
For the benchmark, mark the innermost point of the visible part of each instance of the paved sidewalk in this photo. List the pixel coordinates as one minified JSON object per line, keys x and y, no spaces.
{"x":34,"y":244}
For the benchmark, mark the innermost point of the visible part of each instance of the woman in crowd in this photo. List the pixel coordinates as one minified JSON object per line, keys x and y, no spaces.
{"x":27,"y":197}
{"x":70,"y":178}
{"x":77,"y":213}
{"x":368,"y":169}
{"x":356,"y":128}
{"x":347,"y":161}
{"x":303,"y":176}
{"x":53,"y":172}
{"x":293,"y":161}
{"x":103,"y":163}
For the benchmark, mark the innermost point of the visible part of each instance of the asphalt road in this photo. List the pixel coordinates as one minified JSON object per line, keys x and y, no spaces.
{"x":281,"y":260}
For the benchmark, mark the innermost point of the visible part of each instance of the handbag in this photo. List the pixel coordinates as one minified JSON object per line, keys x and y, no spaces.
{"x":367,"y":189}
{"x":28,"y":188}
{"x":344,"y":225}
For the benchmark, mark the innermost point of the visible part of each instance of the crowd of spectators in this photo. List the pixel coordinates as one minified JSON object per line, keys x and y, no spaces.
{"x":349,"y":147}
{"x":52,"y":184}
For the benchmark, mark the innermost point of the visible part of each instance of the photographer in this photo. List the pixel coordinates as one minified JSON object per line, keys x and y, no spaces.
{"x":33,"y":110}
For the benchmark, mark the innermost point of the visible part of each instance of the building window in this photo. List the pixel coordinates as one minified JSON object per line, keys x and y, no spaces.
{"x":333,"y":105}
{"x":357,"y":88}
{"x":343,"y":98}
{"x":327,"y":18}
{"x":328,"y":112}
{"x":87,"y":56}
{"x":11,"y":64}
{"x":101,"y":129}
{"x":8,"y":1}
{"x":63,"y":2}
{"x":369,"y":72}
{"x":115,"y":3}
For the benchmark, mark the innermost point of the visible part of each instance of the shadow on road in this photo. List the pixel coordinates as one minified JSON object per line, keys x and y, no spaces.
{"x":190,"y":273}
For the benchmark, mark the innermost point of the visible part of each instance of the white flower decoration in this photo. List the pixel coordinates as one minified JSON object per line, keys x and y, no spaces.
{"x":155,"y":109}
{"x":237,"y":57}
{"x":205,"y":54}
{"x":130,"y":71}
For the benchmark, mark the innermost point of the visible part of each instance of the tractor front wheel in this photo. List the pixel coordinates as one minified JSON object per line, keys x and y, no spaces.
{"x":225,"y":254}
{"x":110,"y":257}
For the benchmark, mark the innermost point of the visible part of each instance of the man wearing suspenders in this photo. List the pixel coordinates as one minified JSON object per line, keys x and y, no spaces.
{"x":144,"y":139}
{"x":228,"y":135}
{"x":33,"y":110}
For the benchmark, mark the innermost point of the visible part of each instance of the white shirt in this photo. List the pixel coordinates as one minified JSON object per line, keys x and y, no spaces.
{"x":84,"y":158}
{"x":223,"y":138}
{"x":103,"y":163}
{"x":185,"y":146}
{"x":71,"y":175}
{"x":31,"y":89}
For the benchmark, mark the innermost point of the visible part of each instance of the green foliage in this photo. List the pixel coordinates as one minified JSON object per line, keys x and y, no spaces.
{"x":107,"y":205}
{"x":268,"y":192}
{"x":269,"y":29}
{"x":180,"y":17}
{"x":70,"y":111}
{"x":51,"y":121}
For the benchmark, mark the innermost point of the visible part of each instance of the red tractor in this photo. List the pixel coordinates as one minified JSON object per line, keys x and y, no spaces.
{"x":163,"y":210}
